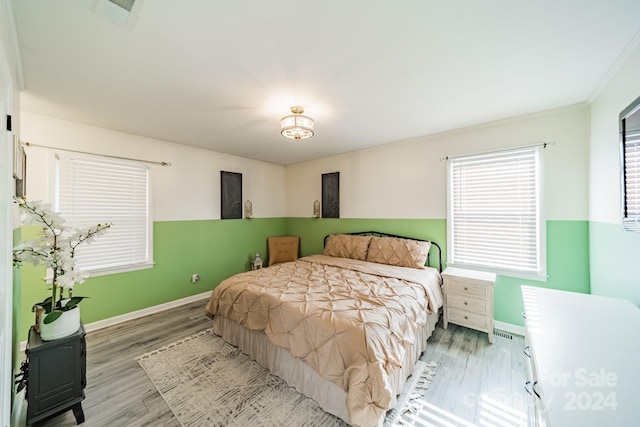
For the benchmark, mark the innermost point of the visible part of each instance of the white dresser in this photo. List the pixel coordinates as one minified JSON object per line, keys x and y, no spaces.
{"x":468,"y":299}
{"x":583,"y":354}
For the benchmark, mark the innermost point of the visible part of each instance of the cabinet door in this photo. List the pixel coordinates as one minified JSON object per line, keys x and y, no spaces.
{"x":54,"y":377}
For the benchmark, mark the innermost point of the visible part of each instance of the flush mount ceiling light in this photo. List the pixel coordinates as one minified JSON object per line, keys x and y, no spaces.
{"x":296,"y":126}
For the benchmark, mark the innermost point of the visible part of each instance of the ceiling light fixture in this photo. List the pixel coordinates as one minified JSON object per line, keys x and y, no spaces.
{"x":296,"y":126}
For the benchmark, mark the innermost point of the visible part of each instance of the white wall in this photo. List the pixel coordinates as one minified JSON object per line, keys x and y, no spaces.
{"x":622,"y":89}
{"x":408,"y":179}
{"x":187,"y":190}
{"x":614,"y":267}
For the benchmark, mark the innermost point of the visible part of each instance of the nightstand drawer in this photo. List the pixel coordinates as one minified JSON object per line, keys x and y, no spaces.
{"x":464,"y":318}
{"x":468,"y":299}
{"x":461,"y":288}
{"x":468,"y":303}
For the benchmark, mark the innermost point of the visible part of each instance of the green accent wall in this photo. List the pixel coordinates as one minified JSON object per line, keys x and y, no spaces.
{"x":567,"y":253}
{"x":215,"y":249}
{"x":615,"y":265}
{"x":313,"y":231}
{"x":567,"y":269}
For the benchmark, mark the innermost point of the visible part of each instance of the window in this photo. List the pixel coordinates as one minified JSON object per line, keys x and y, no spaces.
{"x":93,"y":190}
{"x":630,"y":150}
{"x":494,"y":219}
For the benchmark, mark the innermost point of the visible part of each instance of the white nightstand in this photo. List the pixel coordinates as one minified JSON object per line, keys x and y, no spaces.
{"x":468,"y":299}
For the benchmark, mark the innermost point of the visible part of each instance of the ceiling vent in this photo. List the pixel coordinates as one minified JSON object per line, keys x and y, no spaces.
{"x":125,"y":4}
{"x":119,"y":12}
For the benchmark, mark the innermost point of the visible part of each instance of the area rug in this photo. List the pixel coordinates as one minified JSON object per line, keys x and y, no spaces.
{"x":207,"y":382}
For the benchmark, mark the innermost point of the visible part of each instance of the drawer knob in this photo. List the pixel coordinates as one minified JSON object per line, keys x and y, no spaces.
{"x":466,"y":318}
{"x":466,"y":289}
{"x":526,"y":387}
{"x":526,"y":351}
{"x":466,"y":303}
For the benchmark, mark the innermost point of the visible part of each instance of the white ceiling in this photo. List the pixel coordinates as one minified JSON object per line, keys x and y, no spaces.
{"x":220,"y":74}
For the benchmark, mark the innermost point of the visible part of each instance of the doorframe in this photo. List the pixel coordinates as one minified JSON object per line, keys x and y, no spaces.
{"x":6,"y":237}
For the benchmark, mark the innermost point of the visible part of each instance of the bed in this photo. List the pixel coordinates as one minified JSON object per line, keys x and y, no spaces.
{"x":345,"y":327}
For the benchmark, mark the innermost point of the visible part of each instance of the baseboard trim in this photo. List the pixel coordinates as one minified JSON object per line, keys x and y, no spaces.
{"x":100,"y":324}
{"x":94,"y":326}
{"x":508,"y":327}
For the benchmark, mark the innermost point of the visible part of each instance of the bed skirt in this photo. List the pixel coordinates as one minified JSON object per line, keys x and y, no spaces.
{"x":302,"y":376}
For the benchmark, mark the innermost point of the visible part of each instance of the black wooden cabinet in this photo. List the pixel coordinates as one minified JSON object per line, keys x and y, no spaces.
{"x":56,"y":376}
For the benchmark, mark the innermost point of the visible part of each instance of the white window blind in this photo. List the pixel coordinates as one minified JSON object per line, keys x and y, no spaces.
{"x":494,"y":214}
{"x":93,"y":190}
{"x":631,"y":181}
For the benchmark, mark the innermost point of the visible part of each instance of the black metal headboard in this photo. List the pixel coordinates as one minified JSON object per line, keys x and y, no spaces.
{"x":380,"y":234}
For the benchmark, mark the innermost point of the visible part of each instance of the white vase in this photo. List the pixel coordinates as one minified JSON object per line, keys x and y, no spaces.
{"x":65,"y":325}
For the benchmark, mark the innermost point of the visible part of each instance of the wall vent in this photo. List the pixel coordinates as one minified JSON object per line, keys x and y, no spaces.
{"x":502,"y":334}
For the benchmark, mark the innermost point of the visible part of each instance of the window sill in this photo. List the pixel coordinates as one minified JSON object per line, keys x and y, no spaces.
{"x":122,"y":269}
{"x":538,"y":277}
{"x":106,"y":271}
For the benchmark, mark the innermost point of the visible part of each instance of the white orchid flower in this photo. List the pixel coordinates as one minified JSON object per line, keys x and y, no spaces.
{"x":55,"y":247}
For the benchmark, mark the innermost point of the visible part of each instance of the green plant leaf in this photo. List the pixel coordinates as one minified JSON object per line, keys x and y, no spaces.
{"x":46,"y":304}
{"x":73,"y":302}
{"x":52,"y":316}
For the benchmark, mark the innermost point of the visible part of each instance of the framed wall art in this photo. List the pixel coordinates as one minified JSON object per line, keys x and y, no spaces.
{"x":230,"y":195}
{"x":331,"y":195}
{"x":18,"y":163}
{"x":19,"y":167}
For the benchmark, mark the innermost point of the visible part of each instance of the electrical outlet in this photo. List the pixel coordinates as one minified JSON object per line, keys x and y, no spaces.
{"x":195,"y":278}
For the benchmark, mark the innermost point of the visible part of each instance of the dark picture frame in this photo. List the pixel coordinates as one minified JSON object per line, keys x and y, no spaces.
{"x":331,"y":195}
{"x":19,"y":168}
{"x":230,"y":195}
{"x":18,"y":162}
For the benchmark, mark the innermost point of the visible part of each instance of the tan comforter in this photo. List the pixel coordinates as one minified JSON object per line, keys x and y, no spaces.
{"x":352,"y":321}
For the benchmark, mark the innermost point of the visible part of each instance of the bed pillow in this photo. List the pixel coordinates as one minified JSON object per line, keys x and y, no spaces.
{"x":397,"y":251}
{"x":283,"y":248}
{"x":347,"y":246}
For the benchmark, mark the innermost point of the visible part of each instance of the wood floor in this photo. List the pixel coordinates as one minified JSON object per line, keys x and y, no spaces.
{"x":476,"y":383}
